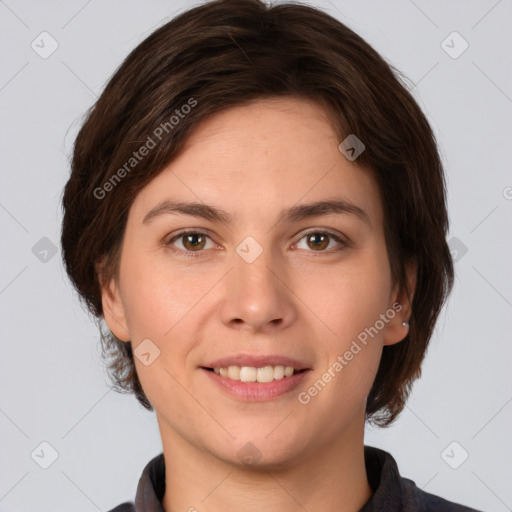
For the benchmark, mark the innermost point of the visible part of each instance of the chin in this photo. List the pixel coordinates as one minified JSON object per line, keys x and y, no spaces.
{"x":265,"y":452}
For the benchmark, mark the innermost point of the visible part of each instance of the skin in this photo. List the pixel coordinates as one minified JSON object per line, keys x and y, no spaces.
{"x":295,"y":299}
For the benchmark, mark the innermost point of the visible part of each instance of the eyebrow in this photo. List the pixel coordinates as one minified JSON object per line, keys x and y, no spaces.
{"x":294,"y":214}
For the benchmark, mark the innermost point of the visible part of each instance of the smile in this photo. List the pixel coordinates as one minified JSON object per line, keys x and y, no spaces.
{"x":253,"y":374}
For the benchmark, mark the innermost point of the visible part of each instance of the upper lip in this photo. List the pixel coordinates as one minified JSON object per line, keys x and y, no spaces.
{"x":257,"y":361}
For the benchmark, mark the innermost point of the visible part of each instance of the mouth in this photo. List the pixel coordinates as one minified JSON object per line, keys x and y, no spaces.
{"x":256,"y":377}
{"x":262,"y":374}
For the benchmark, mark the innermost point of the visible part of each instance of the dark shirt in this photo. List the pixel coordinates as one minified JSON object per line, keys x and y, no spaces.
{"x":391,"y":492}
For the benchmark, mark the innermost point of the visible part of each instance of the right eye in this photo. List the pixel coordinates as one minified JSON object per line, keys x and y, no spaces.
{"x":191,"y":240}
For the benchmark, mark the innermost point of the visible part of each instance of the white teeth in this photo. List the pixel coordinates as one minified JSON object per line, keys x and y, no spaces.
{"x":247,"y":374}
{"x":252,"y":374}
{"x":234,"y":372}
{"x":278,"y":372}
{"x":265,"y":374}
{"x":288,"y":371}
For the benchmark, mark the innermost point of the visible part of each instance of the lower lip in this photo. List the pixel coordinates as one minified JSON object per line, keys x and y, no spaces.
{"x":257,"y":391}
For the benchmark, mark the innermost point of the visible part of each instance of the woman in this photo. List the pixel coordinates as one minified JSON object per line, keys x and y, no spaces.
{"x":257,"y":211}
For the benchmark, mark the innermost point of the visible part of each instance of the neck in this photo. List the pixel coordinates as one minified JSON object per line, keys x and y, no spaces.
{"x":333,"y":479}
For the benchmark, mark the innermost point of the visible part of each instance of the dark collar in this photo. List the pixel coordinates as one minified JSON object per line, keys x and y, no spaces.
{"x":391,"y":492}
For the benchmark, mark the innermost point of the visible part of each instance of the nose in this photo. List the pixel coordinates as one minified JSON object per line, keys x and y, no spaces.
{"x":257,"y":297}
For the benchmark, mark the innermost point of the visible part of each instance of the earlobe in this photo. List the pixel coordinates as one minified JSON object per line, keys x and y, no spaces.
{"x":113,"y":310}
{"x":402,"y":297}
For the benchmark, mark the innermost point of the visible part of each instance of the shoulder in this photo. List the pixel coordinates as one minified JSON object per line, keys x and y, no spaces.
{"x":150,"y":490}
{"x":415,"y":499}
{"x":124,"y":507}
{"x":394,"y":493}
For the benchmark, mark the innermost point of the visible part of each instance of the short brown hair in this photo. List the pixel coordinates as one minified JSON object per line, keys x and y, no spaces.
{"x":225,"y":53}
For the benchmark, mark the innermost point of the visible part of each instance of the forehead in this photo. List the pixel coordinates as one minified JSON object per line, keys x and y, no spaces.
{"x":261,"y":157}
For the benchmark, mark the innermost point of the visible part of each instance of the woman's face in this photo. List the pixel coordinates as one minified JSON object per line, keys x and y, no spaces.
{"x":265,"y":279}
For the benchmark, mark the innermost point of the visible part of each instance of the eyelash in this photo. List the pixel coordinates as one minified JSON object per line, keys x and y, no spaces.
{"x":198,"y":254}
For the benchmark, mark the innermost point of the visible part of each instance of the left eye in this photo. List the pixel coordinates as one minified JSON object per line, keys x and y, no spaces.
{"x":319,"y":240}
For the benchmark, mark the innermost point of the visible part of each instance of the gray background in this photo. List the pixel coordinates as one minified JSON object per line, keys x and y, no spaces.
{"x":53,"y":387}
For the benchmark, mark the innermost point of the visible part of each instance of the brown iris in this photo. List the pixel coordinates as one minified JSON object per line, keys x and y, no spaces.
{"x":320,"y":240}
{"x":197,"y":241}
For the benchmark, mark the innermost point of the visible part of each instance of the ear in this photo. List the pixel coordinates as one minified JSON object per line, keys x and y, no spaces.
{"x":401,"y":303}
{"x":113,"y":308}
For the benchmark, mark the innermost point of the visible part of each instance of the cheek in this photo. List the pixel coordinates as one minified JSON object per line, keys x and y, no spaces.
{"x":350,"y":301}
{"x":159,"y":307}
{"x":162,"y":304}
{"x":349,"y":298}
{"x":156,"y":296}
